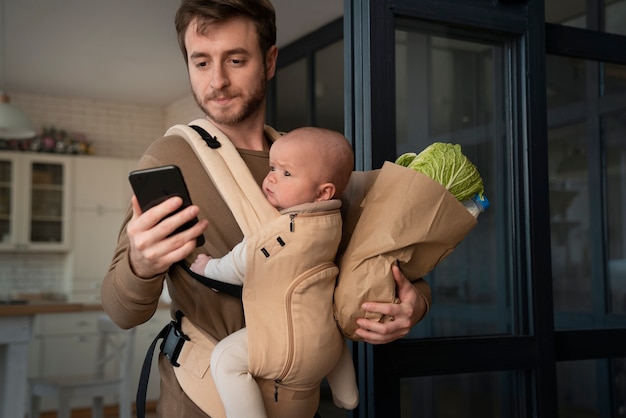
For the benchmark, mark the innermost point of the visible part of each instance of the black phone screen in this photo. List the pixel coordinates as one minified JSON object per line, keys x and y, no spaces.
{"x":155,"y":185}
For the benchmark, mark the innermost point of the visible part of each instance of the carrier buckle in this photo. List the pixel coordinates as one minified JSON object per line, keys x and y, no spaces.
{"x":173,"y":341}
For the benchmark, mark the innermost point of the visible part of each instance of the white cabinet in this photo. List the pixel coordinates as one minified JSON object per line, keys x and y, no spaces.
{"x":35,"y":201}
{"x":95,"y":237}
{"x":101,"y":197}
{"x":101,"y":184}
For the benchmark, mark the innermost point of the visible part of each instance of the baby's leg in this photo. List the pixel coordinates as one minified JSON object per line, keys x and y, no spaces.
{"x":237,"y":388}
{"x":342,"y":382}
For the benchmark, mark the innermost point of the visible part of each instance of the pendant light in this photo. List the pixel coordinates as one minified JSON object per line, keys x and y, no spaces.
{"x":14,"y":124}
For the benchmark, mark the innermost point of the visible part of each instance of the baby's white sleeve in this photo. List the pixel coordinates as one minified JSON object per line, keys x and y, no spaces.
{"x":231,"y":268}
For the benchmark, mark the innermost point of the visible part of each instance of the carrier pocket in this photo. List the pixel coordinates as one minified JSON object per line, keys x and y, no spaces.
{"x":314,"y":342}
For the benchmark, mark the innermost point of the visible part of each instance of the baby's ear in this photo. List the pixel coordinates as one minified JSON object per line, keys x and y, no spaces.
{"x":325,"y":191}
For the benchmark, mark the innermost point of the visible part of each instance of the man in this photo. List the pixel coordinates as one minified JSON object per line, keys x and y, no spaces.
{"x":229,"y":47}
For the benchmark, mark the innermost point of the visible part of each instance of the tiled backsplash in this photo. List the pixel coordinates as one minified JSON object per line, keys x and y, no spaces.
{"x":31,"y":273}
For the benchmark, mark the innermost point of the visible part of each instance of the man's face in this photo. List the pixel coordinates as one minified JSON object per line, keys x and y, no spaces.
{"x":227,"y":71}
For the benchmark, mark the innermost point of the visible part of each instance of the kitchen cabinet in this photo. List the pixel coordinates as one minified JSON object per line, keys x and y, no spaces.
{"x":101,"y":197}
{"x":35,"y":198}
{"x":101,"y":183}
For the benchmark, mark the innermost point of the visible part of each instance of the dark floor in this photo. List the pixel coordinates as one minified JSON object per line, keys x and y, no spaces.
{"x":326,"y":410}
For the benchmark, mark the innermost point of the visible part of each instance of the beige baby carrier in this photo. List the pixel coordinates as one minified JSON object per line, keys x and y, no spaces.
{"x":281,"y":279}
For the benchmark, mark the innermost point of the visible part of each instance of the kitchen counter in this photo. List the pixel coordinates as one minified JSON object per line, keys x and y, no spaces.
{"x":49,"y":307}
{"x":34,"y":308}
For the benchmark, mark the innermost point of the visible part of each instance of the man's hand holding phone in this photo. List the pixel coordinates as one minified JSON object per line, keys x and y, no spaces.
{"x":152,"y":247}
{"x":164,"y":228}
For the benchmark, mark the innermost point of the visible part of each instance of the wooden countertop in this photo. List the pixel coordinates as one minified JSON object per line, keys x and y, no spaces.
{"x":43,"y":307}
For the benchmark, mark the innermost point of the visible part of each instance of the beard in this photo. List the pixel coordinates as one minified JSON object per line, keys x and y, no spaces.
{"x":250,"y":106}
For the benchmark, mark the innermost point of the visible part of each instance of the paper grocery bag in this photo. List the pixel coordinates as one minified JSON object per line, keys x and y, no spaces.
{"x":406,"y":217}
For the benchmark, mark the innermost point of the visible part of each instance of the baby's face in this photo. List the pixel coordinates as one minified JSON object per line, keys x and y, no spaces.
{"x":294,"y":175}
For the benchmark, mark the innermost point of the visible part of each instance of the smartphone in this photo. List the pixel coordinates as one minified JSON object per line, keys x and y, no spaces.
{"x":155,"y":185}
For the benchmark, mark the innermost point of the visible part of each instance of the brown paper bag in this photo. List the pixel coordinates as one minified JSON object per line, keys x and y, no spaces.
{"x":406,"y":217}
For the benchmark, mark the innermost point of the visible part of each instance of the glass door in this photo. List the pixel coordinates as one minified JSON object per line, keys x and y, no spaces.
{"x":46,"y":202}
{"x":6,"y":200}
{"x":44,"y":224}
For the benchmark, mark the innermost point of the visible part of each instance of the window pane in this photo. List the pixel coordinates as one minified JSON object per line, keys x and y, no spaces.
{"x":566,"y":80}
{"x":615,"y":143}
{"x":618,"y":386}
{"x":615,"y":16}
{"x":614,"y":79}
{"x":479,"y":395}
{"x":592,"y":388}
{"x":566,"y":12}
{"x":577,"y":399}
{"x":447,"y":91}
{"x":574,"y":13}
{"x":329,"y":87}
{"x":569,"y":218}
{"x":291,"y":98}
{"x":578,"y":281}
{"x":569,"y":188}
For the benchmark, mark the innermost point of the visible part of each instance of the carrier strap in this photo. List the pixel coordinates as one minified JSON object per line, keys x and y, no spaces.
{"x":230,"y":174}
{"x":173,"y":340}
{"x":234,"y":182}
{"x":228,"y":288}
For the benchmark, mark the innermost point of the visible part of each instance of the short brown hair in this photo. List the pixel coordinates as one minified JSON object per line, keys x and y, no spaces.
{"x":261,"y":12}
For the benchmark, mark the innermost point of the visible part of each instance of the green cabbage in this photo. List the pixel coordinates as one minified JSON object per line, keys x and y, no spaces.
{"x":405,"y":159}
{"x":446,"y":164}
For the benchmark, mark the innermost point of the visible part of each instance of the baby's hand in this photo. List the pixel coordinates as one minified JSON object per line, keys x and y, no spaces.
{"x":199,"y":265}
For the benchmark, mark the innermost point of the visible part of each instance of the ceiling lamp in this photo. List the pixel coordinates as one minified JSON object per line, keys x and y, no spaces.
{"x":14,"y":124}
